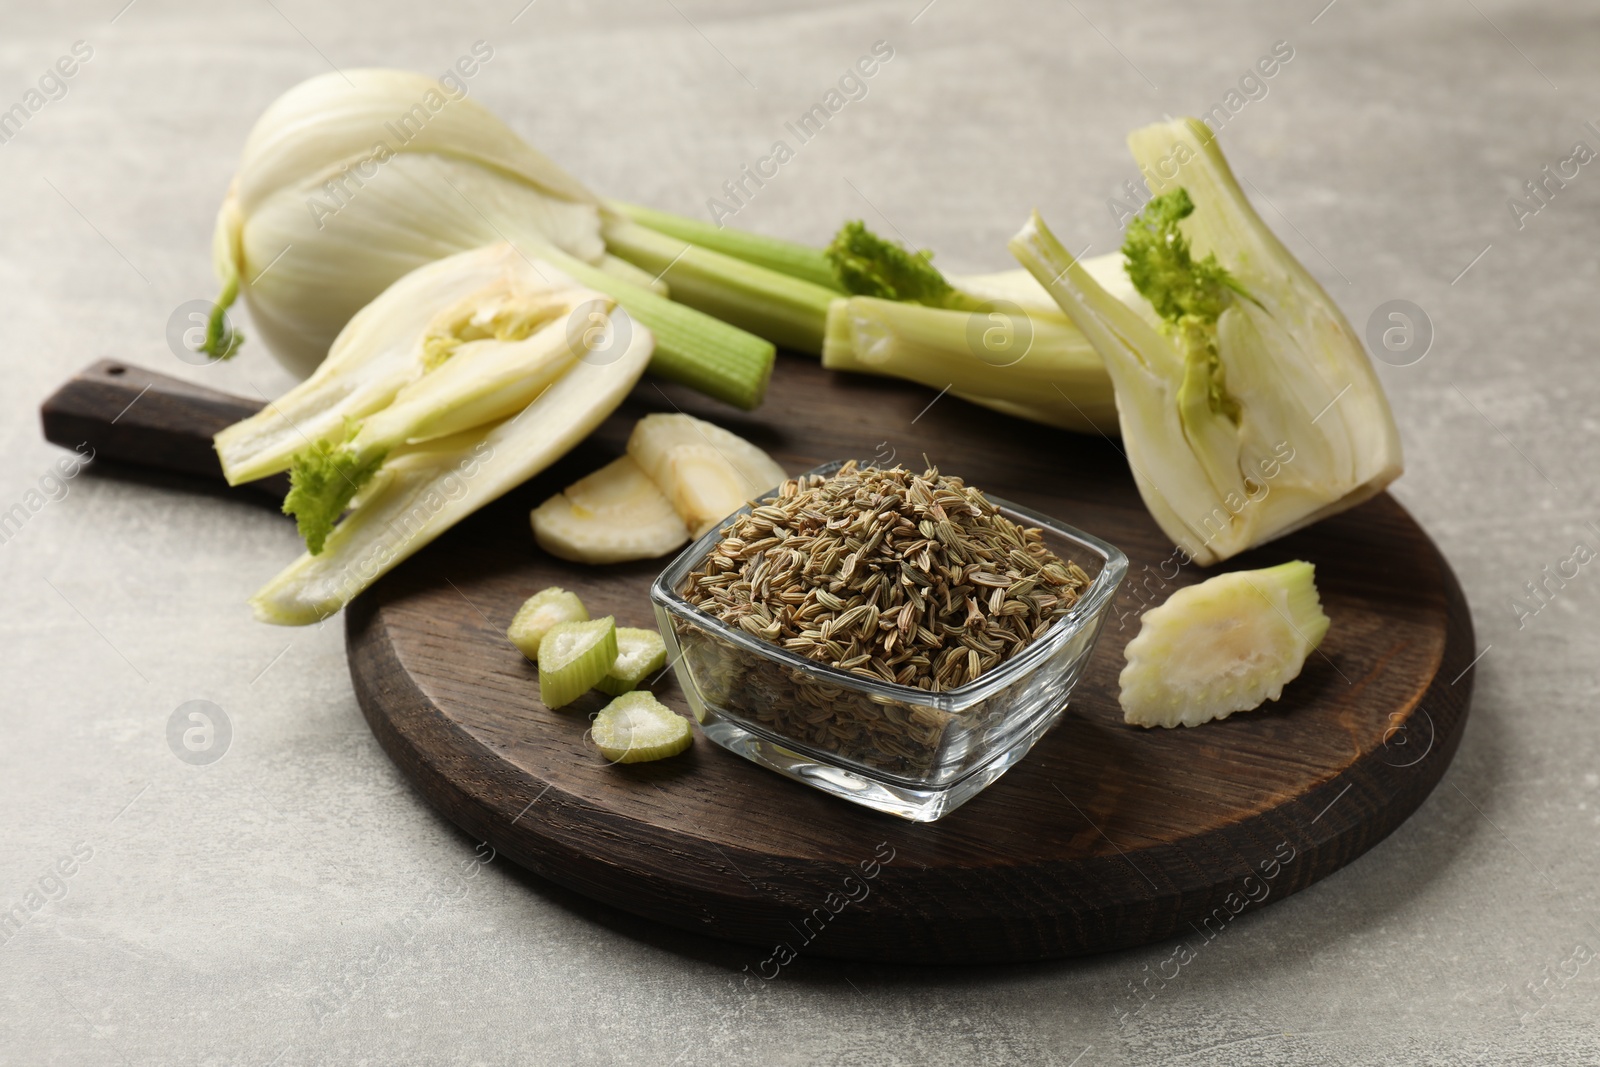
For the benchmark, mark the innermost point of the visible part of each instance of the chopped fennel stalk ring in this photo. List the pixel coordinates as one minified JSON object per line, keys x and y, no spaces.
{"x":539,"y":614}
{"x":638,"y":728}
{"x":640,"y":654}
{"x":573,"y":657}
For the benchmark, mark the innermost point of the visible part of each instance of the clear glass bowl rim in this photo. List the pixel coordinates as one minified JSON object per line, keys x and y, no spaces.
{"x":1114,"y":567}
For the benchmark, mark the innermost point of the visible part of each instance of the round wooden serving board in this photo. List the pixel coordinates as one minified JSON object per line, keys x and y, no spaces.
{"x":1105,"y":836}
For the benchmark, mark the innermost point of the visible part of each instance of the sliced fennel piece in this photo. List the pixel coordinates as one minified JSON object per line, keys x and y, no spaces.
{"x":613,"y":515}
{"x":1250,"y":418}
{"x":484,"y":359}
{"x":707,"y":472}
{"x":422,"y":490}
{"x":640,"y":653}
{"x":374,"y":357}
{"x":539,"y":613}
{"x":573,"y":657}
{"x":1229,"y":644}
{"x":638,"y":728}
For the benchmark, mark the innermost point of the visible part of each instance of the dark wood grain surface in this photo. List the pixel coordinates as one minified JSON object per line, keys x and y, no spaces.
{"x":1105,"y":836}
{"x":135,"y":417}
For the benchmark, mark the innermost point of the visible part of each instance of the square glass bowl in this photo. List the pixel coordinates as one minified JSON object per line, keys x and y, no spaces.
{"x":895,"y":748}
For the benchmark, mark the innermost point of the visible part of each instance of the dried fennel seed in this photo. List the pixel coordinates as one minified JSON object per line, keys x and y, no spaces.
{"x":907,"y":578}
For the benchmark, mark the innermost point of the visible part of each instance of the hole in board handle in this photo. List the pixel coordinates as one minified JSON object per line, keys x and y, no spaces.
{"x":116,"y":371}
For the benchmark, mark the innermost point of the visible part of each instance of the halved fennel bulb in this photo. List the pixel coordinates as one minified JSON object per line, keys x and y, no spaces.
{"x":403,"y":487}
{"x":1250,"y":409}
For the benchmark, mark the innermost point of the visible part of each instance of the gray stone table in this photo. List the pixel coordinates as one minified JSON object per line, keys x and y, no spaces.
{"x":282,"y":905}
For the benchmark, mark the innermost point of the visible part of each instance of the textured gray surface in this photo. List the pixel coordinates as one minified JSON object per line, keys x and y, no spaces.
{"x":296,"y":903}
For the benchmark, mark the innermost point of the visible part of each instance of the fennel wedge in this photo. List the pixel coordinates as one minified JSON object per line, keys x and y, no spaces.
{"x":1229,"y":644}
{"x":374,"y":357}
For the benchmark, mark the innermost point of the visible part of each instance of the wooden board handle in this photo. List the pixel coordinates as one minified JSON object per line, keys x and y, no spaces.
{"x":135,"y":416}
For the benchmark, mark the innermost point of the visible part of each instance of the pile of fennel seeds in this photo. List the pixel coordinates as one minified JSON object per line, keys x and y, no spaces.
{"x":907,"y":578}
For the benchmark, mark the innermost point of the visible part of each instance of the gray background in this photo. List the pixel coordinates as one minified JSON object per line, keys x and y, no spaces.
{"x":238,"y":912}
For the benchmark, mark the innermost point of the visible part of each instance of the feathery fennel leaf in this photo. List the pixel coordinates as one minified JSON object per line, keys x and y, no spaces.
{"x":1189,"y":294}
{"x":323,"y":479}
{"x":868,"y":265}
{"x":1164,"y":271}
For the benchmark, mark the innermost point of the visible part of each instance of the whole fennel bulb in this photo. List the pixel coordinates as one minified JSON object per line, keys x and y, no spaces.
{"x":345,"y":186}
{"x":351,"y":181}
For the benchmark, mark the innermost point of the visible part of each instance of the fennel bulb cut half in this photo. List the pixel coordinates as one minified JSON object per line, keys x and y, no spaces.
{"x":385,"y":349}
{"x":1249,"y":408}
{"x":421,"y":487}
{"x":351,"y":181}
{"x":1229,"y":644}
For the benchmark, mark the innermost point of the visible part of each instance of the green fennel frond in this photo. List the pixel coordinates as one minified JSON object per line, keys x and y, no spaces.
{"x":1163,"y":270}
{"x":323,"y":479}
{"x":868,"y":265}
{"x":1189,"y":294}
